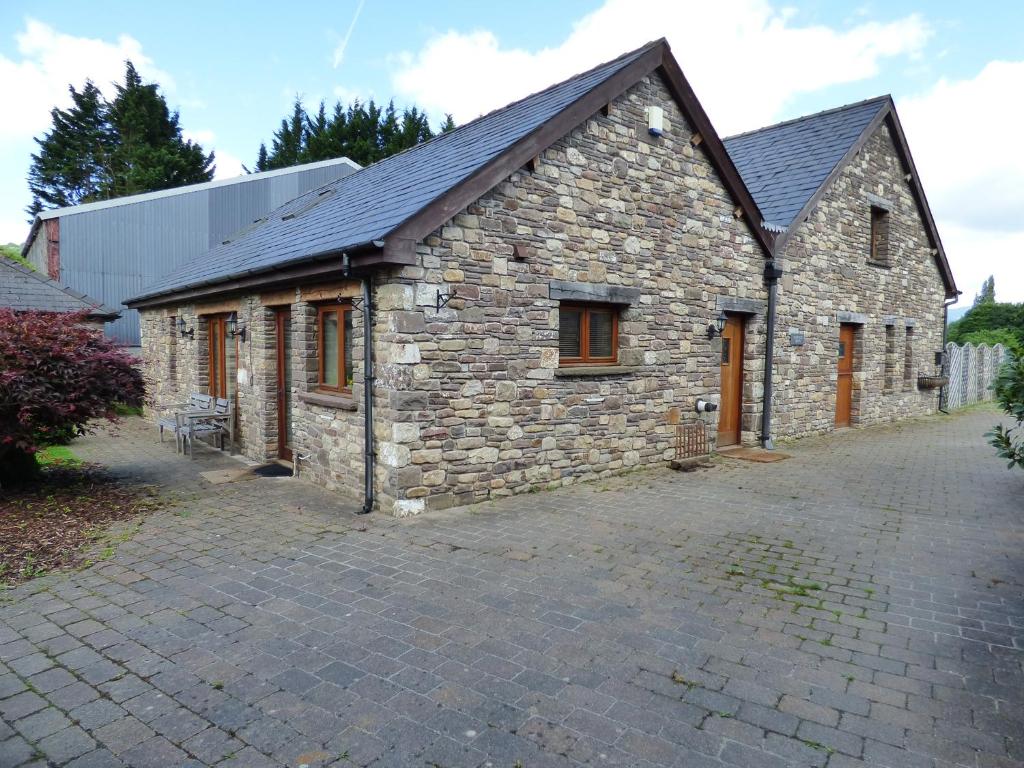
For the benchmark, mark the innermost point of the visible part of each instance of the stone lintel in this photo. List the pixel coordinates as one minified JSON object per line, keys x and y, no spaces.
{"x":890,"y":320}
{"x":564,"y":290}
{"x":746,"y":306}
{"x":880,"y":202}
{"x":909,"y":322}
{"x":854,"y":318}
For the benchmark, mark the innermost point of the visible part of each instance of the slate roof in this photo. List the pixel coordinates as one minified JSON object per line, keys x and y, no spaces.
{"x":23,"y":289}
{"x":783,"y":165}
{"x":367,"y":205}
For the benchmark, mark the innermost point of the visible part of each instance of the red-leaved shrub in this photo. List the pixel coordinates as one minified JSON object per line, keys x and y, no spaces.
{"x":56,"y":375}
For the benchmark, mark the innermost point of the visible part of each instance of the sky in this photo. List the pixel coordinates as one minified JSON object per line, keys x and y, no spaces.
{"x":232,"y":70}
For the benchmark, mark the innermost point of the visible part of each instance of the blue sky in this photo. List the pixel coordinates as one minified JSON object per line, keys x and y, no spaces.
{"x":233,"y":69}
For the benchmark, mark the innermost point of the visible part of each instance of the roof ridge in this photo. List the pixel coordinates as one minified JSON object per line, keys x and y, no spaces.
{"x":811,"y":116}
{"x":461,"y":128}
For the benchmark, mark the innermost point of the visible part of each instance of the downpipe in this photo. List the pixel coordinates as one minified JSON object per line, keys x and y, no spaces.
{"x":945,"y":325}
{"x":772,"y":273}
{"x":368,"y":381}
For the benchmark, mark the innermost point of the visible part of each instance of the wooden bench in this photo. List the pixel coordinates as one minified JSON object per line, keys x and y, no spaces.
{"x":218,"y":421}
{"x":196,"y":402}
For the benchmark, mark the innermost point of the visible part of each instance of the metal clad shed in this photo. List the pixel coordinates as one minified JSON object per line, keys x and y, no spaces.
{"x":112,"y":249}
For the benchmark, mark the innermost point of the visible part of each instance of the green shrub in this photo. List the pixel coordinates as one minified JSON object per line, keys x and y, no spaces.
{"x":1009,"y":388}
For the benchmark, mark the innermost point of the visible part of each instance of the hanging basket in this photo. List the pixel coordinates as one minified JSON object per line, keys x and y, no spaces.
{"x":932,"y":382}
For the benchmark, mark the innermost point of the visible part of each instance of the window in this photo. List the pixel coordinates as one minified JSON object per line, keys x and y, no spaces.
{"x":334,"y":347}
{"x":879,"y":236}
{"x":587,"y":334}
{"x":908,"y":358}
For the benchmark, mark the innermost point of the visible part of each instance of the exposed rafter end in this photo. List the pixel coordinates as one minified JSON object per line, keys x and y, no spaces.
{"x":696,"y":139}
{"x":399,"y":250}
{"x":606,"y":110}
{"x":533,"y":164}
{"x":737,"y":212}
{"x":908,"y":177}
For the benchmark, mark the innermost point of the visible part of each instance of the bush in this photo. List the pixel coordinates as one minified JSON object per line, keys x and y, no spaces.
{"x":56,"y":375}
{"x":1009,"y":389}
{"x":990,"y":338}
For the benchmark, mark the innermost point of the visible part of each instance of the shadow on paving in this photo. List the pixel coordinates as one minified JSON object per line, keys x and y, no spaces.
{"x":858,"y":604}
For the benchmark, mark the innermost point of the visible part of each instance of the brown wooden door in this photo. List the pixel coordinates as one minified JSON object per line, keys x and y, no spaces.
{"x":223,"y":358}
{"x":731,"y":406}
{"x":284,"y":384}
{"x":844,"y":384}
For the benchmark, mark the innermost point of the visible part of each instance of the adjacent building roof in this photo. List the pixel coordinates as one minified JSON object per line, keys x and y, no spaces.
{"x":788,"y":166}
{"x":73,"y":210}
{"x":783,"y":165}
{"x":386,"y":207}
{"x":23,"y":289}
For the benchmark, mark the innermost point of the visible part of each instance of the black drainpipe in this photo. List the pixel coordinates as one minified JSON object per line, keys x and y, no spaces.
{"x":772,"y":273}
{"x":946,"y":304}
{"x":368,"y":380}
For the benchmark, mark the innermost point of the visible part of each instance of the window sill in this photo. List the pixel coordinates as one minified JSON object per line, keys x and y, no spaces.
{"x":340,"y":402}
{"x":582,"y":371}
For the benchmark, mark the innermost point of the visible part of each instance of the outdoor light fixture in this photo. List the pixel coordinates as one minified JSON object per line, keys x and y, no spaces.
{"x":716,"y":328}
{"x":191,"y":332}
{"x":233,"y":327}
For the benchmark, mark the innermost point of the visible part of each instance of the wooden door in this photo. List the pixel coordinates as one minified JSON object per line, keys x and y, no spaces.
{"x":844,"y":383}
{"x":731,"y":406}
{"x":223,"y":357}
{"x":284,"y":384}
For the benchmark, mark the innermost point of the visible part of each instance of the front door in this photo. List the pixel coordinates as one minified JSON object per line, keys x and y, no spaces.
{"x":223,"y":357}
{"x":731,"y":406}
{"x":844,"y":383}
{"x":284,"y":384}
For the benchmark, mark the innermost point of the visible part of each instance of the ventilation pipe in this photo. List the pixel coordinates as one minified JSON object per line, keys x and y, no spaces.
{"x":772,"y":273}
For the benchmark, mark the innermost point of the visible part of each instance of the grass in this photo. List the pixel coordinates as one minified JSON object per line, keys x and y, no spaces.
{"x":58,"y":454}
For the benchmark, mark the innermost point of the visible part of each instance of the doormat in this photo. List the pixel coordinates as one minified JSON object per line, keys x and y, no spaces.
{"x":273,"y":470}
{"x":759,"y":455}
{"x":221,"y":476}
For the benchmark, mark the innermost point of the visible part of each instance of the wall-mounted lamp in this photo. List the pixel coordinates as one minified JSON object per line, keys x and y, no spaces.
{"x":190,"y":332}
{"x":233,"y":327}
{"x":716,"y":328}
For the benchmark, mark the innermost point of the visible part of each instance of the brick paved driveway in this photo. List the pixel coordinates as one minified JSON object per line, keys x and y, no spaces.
{"x":858,"y":604}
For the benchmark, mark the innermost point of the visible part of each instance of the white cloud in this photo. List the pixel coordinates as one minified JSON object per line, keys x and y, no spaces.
{"x":227,"y":165}
{"x":744,"y":58}
{"x":965,"y":137}
{"x":37,"y":79}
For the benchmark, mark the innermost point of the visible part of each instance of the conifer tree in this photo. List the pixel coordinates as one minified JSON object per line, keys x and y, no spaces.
{"x":98,"y":150}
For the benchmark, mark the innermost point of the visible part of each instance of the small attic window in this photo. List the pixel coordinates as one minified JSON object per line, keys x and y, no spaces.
{"x":879,"y":237}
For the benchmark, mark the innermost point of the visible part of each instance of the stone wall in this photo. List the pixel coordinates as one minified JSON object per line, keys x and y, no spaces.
{"x":828,"y":275}
{"x":477,"y":402}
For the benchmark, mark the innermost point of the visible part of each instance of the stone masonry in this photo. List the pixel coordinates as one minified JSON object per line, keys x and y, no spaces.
{"x":897,"y":304}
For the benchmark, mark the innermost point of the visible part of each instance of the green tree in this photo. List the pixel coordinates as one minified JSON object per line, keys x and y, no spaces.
{"x":1009,"y":389}
{"x":988,"y":292}
{"x":97,"y":150}
{"x":362,"y":132}
{"x":72,"y":165}
{"x":989,"y":316}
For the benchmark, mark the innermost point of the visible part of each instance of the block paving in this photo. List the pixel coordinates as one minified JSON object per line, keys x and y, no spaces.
{"x":859,"y":604}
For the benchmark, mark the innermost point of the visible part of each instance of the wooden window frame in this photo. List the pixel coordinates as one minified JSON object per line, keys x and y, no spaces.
{"x":340,"y":309}
{"x":585,"y":357}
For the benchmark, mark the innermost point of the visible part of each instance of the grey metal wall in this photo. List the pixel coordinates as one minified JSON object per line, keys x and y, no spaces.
{"x":113,"y":253}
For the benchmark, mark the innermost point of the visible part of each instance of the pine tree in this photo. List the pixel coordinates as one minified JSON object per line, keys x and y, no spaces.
{"x":362,"y":132}
{"x":448,"y":124}
{"x":73,"y":162}
{"x":97,"y":149}
{"x":988,"y":292}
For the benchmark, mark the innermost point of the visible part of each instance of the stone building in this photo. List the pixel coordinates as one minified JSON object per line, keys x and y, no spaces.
{"x":861,"y":301}
{"x":533,"y":299}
